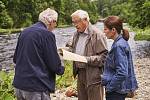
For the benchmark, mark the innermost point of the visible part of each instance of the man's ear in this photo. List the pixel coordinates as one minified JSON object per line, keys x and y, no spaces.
{"x":114,"y":29}
{"x":85,"y":18}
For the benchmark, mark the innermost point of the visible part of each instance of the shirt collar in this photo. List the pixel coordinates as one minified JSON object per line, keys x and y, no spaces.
{"x":119,"y":36}
{"x":86,"y":31}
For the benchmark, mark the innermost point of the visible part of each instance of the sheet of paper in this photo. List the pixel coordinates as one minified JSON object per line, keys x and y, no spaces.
{"x":72,"y":56}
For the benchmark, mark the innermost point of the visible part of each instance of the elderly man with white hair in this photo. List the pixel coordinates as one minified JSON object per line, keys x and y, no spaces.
{"x":90,"y":42}
{"x":36,"y":58}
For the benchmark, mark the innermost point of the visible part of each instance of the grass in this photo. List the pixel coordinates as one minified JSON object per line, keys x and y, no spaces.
{"x":10,"y":31}
{"x":17,"y":30}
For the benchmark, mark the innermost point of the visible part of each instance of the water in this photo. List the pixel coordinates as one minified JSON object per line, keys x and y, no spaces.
{"x":139,"y":49}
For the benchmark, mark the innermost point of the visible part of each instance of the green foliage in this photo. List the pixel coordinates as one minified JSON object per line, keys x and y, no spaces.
{"x":9,"y":31}
{"x":22,"y":13}
{"x":142,"y":34}
{"x":67,"y":7}
{"x":141,"y":17}
{"x":5,"y":20}
{"x":27,"y":20}
{"x":91,"y":8}
{"x":66,"y":79}
{"x":2,"y":6}
{"x":93,"y":12}
{"x":6,"y":88}
{"x":134,"y":12}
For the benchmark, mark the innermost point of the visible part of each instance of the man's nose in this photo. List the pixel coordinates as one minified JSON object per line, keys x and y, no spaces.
{"x":103,"y":31}
{"x":55,"y":24}
{"x":75,"y":25}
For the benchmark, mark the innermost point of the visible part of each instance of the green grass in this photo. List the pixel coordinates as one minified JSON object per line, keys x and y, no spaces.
{"x":17,"y":30}
{"x":9,"y":31}
{"x":142,"y":34}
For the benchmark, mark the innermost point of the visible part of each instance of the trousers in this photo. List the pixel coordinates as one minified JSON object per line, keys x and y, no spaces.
{"x":26,"y":95}
{"x":92,"y":92}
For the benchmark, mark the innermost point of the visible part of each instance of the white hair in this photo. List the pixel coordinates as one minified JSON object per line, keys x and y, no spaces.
{"x":48,"y":15}
{"x":82,"y":14}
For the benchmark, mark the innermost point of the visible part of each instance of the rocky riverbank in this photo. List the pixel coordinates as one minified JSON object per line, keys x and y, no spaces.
{"x":140,"y":51}
{"x":142,"y":70}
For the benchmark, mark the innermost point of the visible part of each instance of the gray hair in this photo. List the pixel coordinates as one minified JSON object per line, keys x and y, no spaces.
{"x":48,"y":16}
{"x":82,"y":14}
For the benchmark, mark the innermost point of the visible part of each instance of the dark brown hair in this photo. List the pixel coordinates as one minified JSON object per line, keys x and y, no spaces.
{"x":115,"y":22}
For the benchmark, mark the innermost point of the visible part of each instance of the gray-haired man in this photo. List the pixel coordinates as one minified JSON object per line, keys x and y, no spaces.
{"x":88,"y":41}
{"x":36,"y":58}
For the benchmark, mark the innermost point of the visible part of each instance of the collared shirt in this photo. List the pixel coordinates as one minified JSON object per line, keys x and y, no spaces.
{"x":80,"y":47}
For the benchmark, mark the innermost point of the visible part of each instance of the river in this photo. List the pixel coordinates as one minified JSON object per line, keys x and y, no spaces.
{"x":140,"y":49}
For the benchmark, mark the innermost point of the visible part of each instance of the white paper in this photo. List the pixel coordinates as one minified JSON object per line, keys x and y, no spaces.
{"x":72,"y":56}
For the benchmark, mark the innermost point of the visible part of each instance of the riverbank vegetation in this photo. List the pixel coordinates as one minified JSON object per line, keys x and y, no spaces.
{"x":10,"y":31}
{"x":22,"y":13}
{"x":142,"y":34}
{"x":67,"y":78}
{"x":6,"y":79}
{"x":6,"y":88}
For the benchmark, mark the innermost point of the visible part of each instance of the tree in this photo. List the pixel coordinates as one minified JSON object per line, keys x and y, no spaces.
{"x":141,"y":16}
{"x":5,"y":20}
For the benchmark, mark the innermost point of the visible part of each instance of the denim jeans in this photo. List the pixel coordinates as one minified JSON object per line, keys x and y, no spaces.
{"x":115,"y":96}
{"x":26,"y":95}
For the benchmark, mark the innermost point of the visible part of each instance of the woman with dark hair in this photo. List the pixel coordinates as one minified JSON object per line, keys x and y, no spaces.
{"x":118,"y":77}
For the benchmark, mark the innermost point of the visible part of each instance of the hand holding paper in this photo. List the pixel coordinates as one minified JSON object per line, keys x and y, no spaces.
{"x":71,"y":56}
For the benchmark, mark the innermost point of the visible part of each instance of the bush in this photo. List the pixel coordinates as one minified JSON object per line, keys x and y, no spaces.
{"x":140,"y":17}
{"x":5,"y":20}
{"x":26,"y":20}
{"x":2,"y":6}
{"x":93,"y":18}
{"x":66,"y":79}
{"x":6,"y":88}
{"x":142,"y":34}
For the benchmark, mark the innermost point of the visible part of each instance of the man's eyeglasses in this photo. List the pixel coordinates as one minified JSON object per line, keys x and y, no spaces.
{"x":54,"y":21}
{"x":76,"y":22}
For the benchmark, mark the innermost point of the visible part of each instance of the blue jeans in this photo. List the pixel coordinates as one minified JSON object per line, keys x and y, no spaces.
{"x":26,"y":95}
{"x":115,"y":96}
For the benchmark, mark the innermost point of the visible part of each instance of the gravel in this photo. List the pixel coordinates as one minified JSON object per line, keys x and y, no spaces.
{"x":142,"y":70}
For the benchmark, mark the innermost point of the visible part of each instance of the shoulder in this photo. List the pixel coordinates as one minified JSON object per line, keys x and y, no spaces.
{"x":121,"y":45}
{"x":38,"y":32}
